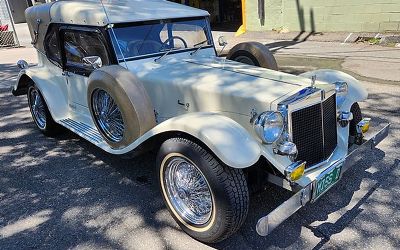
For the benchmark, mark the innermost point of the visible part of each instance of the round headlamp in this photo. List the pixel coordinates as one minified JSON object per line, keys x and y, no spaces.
{"x":269,"y":126}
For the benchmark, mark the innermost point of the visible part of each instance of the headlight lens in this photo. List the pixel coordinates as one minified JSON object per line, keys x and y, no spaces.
{"x":269,"y":126}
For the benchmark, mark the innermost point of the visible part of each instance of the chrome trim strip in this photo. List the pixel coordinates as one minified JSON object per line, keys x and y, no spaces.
{"x":322,"y":123}
{"x":315,"y":98}
{"x":265,"y":225}
{"x":85,"y":131}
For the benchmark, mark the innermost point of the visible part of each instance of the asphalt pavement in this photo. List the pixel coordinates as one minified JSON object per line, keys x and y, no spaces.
{"x":64,"y":193}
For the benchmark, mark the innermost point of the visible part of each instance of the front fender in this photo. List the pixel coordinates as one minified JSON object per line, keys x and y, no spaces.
{"x":53,"y":89}
{"x":229,"y":141}
{"x":356,"y":92}
{"x":22,"y":84}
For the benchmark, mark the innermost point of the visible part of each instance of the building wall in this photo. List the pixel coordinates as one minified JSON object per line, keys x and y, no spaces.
{"x":325,"y":15}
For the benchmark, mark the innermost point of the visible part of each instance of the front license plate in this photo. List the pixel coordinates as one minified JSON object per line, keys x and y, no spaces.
{"x":327,"y":181}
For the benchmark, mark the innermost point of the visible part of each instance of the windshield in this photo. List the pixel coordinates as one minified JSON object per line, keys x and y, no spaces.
{"x":155,"y":38}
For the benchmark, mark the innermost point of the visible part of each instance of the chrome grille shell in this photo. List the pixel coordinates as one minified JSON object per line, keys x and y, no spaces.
{"x":307,"y":99}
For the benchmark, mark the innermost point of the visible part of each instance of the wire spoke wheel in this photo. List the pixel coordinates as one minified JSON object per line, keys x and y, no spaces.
{"x":38,"y":108}
{"x":188,"y":191}
{"x":107,"y":115}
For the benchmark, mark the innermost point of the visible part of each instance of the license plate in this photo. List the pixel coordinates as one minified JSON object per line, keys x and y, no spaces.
{"x":327,"y":181}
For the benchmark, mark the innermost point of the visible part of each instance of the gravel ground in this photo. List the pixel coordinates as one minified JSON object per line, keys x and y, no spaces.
{"x":63,"y":192}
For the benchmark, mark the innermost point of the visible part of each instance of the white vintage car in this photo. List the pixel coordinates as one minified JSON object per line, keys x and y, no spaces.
{"x":130,"y":76}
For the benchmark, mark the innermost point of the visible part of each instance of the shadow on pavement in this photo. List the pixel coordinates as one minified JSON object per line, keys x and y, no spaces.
{"x":7,"y":75}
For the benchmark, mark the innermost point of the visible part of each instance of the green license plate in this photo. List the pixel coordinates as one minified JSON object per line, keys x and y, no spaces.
{"x":327,"y":181}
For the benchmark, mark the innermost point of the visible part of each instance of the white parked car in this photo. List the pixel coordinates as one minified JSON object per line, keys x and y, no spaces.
{"x":130,"y":76}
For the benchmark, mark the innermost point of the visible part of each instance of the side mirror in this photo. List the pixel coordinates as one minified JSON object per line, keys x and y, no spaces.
{"x":22,"y":64}
{"x":93,"y":61}
{"x":222,"y":41}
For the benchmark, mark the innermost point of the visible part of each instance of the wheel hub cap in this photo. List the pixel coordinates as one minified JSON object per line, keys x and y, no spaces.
{"x":188,"y":191}
{"x":38,"y":108}
{"x":107,"y":115}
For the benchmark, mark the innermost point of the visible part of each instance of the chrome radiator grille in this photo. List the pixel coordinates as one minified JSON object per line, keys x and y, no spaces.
{"x":314,"y":131}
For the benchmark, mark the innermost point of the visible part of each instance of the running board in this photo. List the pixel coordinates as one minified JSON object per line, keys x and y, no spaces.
{"x":82,"y":129}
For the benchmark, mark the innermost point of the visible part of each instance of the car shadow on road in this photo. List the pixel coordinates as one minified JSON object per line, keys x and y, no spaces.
{"x":65,"y":192}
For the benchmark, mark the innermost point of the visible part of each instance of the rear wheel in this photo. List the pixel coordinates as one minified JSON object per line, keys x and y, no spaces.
{"x":207,"y":199}
{"x":40,"y":113}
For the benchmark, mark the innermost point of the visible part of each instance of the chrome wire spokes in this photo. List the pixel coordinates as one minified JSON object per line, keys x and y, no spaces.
{"x":107,"y":115}
{"x":38,"y":108}
{"x":188,"y":191}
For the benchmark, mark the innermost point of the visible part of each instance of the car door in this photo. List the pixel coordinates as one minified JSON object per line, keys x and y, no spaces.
{"x":54,"y":68}
{"x":79,"y":43}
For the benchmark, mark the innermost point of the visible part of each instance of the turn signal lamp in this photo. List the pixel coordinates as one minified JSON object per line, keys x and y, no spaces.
{"x":364,"y":124}
{"x":295,"y":171}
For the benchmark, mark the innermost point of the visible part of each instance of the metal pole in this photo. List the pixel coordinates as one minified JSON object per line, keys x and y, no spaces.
{"x":12,"y":23}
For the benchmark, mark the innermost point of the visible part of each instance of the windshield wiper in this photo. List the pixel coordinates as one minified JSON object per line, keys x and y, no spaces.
{"x":202,"y":44}
{"x":164,"y":55}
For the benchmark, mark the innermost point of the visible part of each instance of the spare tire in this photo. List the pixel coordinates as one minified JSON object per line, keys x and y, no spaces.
{"x":119,"y":105}
{"x":253,"y":53}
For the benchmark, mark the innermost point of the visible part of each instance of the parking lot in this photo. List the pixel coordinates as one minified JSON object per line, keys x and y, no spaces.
{"x":63,"y":192}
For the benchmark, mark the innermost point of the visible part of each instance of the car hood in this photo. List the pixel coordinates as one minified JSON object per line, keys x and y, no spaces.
{"x":215,"y":84}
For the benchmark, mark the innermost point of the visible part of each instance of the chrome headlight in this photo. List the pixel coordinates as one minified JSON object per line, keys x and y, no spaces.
{"x":341,"y":91}
{"x":269,"y":126}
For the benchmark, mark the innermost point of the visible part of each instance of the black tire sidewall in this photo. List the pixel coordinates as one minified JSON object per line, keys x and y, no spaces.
{"x":217,"y":223}
{"x":357,"y":117}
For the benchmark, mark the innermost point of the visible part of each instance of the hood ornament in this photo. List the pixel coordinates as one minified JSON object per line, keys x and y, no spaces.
{"x":313,"y":78}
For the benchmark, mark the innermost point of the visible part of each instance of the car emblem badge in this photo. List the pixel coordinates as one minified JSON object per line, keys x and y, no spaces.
{"x":313,"y":78}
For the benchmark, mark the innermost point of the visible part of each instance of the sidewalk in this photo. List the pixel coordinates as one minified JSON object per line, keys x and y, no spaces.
{"x":8,"y":64}
{"x":367,"y":60}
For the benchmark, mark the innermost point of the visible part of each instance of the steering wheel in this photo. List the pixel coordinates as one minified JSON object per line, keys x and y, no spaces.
{"x":134,"y":46}
{"x":175,"y":37}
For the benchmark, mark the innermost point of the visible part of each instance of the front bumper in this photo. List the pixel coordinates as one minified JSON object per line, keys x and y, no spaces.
{"x":266,"y":224}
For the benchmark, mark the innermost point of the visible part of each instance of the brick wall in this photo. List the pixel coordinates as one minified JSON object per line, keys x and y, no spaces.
{"x":326,"y":15}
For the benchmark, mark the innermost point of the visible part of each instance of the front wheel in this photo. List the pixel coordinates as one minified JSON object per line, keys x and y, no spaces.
{"x":41,"y":114}
{"x":208,"y":200}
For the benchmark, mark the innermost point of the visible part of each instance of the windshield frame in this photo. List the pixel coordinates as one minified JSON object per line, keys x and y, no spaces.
{"x":111,"y":31}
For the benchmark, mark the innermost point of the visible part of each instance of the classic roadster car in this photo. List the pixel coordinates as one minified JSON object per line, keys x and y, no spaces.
{"x":131,"y":76}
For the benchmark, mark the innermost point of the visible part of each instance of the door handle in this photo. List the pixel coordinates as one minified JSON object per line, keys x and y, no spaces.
{"x":65,"y":73}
